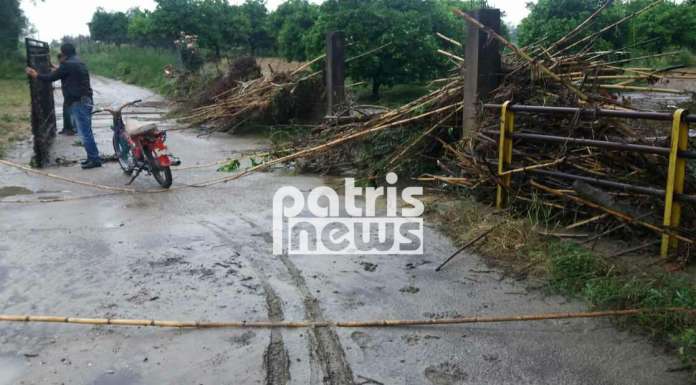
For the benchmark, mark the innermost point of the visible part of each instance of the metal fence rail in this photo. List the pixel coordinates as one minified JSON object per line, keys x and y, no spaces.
{"x":592,"y":112}
{"x":677,"y":154}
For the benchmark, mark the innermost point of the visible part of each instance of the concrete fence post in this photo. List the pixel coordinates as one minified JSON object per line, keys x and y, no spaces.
{"x":483,"y":61}
{"x":335,"y":70}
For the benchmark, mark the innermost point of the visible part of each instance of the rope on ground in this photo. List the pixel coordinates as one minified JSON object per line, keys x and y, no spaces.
{"x":60,"y":199}
{"x":66,"y":179}
{"x":99,"y":186}
{"x":340,"y":324}
{"x":299,"y":154}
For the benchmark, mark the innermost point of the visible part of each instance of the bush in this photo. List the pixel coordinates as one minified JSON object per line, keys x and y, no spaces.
{"x":571,"y":267}
{"x":136,"y":65}
{"x":12,"y":67}
{"x":576,"y":271}
{"x":687,"y":346}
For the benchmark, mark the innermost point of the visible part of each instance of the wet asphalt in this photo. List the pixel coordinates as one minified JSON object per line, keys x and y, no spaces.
{"x":206,"y":254}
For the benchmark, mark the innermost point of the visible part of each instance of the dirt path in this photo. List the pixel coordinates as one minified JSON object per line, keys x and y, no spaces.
{"x":205,"y":254}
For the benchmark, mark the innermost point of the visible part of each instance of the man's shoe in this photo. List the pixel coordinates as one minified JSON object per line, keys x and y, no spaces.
{"x":84,"y":161}
{"x":91,"y":164}
{"x":68,"y":132}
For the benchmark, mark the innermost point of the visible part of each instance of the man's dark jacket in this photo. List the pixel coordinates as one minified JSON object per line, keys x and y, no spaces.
{"x":75,"y":80}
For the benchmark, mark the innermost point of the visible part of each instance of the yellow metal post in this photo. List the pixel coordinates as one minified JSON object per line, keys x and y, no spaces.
{"x":507,"y":125}
{"x":676,"y":174}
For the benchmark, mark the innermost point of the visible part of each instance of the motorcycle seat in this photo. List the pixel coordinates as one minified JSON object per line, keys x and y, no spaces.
{"x":133,"y":127}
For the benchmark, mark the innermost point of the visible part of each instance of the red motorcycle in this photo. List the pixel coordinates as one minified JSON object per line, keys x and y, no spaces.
{"x":141,"y":147}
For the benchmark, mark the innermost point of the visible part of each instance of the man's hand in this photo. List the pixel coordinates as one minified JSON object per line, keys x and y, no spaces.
{"x":31,"y":72}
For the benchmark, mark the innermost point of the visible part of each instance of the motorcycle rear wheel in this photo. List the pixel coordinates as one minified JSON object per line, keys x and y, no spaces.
{"x":163,"y":175}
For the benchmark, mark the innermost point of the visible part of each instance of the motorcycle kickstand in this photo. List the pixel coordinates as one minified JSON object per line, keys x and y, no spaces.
{"x":137,"y":173}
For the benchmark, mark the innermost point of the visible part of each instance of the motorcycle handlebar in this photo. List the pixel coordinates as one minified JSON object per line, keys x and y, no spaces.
{"x":112,"y":111}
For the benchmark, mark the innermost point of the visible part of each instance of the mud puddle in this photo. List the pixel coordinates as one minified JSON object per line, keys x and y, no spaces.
{"x":11,"y":367}
{"x":9,"y":191}
{"x":124,"y":377}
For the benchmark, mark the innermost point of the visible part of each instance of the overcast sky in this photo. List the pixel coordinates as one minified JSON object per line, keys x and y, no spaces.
{"x":54,"y":19}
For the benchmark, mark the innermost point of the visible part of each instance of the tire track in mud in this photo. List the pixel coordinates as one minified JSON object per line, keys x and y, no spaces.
{"x":324,"y":345}
{"x":275,"y":358}
{"x":276,"y":361}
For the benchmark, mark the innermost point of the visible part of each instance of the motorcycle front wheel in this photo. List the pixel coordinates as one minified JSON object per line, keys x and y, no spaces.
{"x":123,"y":154}
{"x":163,"y":175}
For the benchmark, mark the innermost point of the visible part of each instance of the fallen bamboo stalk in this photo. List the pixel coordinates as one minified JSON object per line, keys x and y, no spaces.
{"x":580,"y":27}
{"x":609,"y":27}
{"x":325,"y":146}
{"x":586,"y":221}
{"x":642,"y":89}
{"x":615,"y":213}
{"x":451,"y":55}
{"x":639,"y":58}
{"x":637,"y":71}
{"x":613,"y":229}
{"x":338,"y":324}
{"x":313,"y":74}
{"x":307,"y":65}
{"x":449,"y":39}
{"x":449,"y":180}
{"x":466,"y":246}
{"x":631,"y":77}
{"x":522,"y":54}
{"x":534,"y":167}
{"x":368,"y":52}
{"x":421,"y":137}
{"x":633,"y":249}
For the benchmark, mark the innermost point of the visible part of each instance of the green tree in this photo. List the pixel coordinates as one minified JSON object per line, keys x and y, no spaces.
{"x":289,"y":25}
{"x":665,"y":26}
{"x":408,"y":26}
{"x":140,"y":27}
{"x":256,"y":14}
{"x":13,"y":23}
{"x":110,"y":27}
{"x":222,"y":26}
{"x":552,"y":19}
{"x":171,"y":17}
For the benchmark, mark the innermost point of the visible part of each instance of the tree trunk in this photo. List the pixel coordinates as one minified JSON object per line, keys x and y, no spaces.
{"x":375,"y":89}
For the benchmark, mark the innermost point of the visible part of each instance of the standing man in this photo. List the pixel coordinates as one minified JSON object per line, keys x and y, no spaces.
{"x":68,"y":128}
{"x":78,"y":97}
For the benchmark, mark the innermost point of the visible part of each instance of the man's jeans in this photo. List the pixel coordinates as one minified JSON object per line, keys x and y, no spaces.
{"x":81,"y":116}
{"x":67,"y":120}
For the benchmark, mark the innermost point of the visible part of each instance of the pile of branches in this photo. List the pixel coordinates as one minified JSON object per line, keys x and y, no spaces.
{"x":240,"y":70}
{"x":543,"y":172}
{"x":565,"y":73}
{"x":377,"y":141}
{"x":244,"y":96}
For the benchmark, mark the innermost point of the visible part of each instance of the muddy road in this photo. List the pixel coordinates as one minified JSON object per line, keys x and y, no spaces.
{"x":205,"y":254}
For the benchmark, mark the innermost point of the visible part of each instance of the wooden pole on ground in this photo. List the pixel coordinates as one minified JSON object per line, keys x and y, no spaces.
{"x":339,"y":324}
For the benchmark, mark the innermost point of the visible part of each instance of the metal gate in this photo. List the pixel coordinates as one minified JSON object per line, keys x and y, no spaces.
{"x":43,"y":112}
{"x":677,"y":153}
